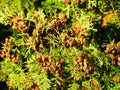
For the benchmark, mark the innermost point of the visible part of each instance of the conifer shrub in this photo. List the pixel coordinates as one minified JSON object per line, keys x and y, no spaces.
{"x":60,"y":44}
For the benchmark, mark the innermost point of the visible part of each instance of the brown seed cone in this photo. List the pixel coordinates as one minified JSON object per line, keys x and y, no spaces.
{"x":118,"y":58}
{"x":69,"y":42}
{"x":44,"y":60}
{"x":83,"y":88}
{"x":90,"y":68}
{"x":57,"y":73}
{"x":64,"y":37}
{"x":33,"y":87}
{"x":106,"y":19}
{"x":66,"y":2}
{"x":7,"y":82}
{"x":7,"y":41}
{"x":56,"y":25}
{"x":83,"y":63}
{"x":116,"y":79}
{"x":91,"y":20}
{"x":75,"y":60}
{"x":81,"y":40}
{"x":86,"y":60}
{"x":14,"y":58}
{"x":36,"y":14}
{"x":34,"y":0}
{"x":52,"y":68}
{"x":118,"y":44}
{"x":2,"y":53}
{"x":62,"y":17}
{"x":76,"y":1}
{"x":39,"y":26}
{"x":71,"y":68}
{"x":35,"y":31}
{"x":76,"y":30}
{"x":118,"y":63}
{"x":81,"y":67}
{"x":83,"y":1}
{"x":78,"y":60}
{"x":93,"y":82}
{"x":48,"y":64}
{"x":62,"y":60}
{"x":8,"y":54}
{"x":22,"y":26}
{"x":19,"y":24}
{"x":114,"y":52}
{"x":112,"y":57}
{"x":84,"y":32}
{"x":86,"y":71}
{"x":113,"y":62}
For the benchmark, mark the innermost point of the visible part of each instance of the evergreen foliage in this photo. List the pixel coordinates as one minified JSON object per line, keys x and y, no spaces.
{"x":60,"y":44}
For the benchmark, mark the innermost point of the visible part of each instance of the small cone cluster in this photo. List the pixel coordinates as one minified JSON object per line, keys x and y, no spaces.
{"x":83,"y":63}
{"x":116,"y":79}
{"x":114,"y":52}
{"x":46,"y":62}
{"x":70,"y":41}
{"x":79,"y":32}
{"x":19,"y":24}
{"x":55,"y":26}
{"x":76,"y":30}
{"x":67,"y":41}
{"x":4,"y":53}
{"x":59,"y":70}
{"x":66,"y":2}
{"x":62,"y":17}
{"x":76,"y":1}
{"x":95,"y":84}
{"x":58,"y":22}
{"x":34,"y":87}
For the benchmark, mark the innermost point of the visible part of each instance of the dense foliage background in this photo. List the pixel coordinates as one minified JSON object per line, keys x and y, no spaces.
{"x":60,"y":44}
